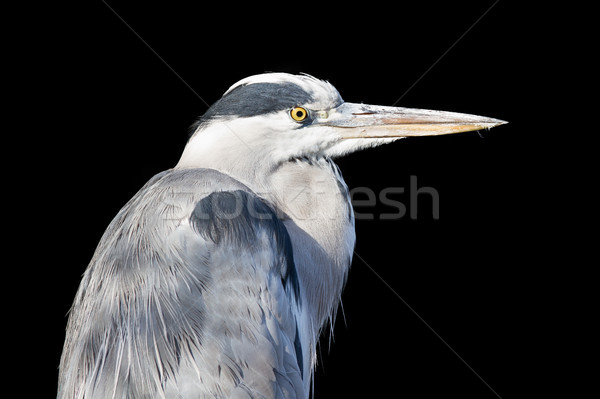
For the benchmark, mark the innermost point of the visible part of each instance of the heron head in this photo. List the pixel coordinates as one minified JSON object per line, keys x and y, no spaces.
{"x":276,"y":117}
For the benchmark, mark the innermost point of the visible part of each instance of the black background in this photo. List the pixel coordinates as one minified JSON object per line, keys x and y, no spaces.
{"x":477,"y":277}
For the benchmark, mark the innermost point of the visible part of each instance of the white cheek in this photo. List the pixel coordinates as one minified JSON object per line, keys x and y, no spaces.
{"x":348,"y":146}
{"x":275,"y":137}
{"x":303,"y":141}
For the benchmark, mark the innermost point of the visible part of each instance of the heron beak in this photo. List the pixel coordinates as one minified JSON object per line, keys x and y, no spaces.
{"x":373,"y":121}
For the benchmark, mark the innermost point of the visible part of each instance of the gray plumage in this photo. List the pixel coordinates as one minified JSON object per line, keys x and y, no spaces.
{"x":215,"y":279}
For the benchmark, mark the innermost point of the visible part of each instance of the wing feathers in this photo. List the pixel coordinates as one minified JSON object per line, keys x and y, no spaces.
{"x":192,"y":293}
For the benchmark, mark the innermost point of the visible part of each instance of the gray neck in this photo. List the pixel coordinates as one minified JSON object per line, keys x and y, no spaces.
{"x":319,"y":217}
{"x":312,"y":199}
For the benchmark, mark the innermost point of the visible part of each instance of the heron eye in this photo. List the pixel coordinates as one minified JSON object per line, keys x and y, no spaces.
{"x":298,"y":114}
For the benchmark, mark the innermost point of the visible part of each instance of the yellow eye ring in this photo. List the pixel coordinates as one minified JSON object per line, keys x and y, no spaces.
{"x":299,"y":114}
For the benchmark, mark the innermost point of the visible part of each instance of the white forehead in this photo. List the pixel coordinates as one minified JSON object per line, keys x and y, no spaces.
{"x":323,"y":92}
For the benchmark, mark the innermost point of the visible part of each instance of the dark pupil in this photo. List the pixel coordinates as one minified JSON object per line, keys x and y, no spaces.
{"x":299,"y":114}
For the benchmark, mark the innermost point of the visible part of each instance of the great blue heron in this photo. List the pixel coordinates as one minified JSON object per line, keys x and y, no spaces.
{"x":215,"y":279}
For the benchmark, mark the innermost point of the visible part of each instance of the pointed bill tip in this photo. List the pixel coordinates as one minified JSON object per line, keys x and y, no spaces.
{"x":370,"y":121}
